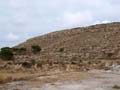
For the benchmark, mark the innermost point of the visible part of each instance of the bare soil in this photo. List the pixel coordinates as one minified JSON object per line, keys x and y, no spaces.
{"x":93,"y":80}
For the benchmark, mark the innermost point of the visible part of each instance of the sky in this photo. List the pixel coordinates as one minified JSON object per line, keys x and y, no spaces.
{"x":23,"y":19}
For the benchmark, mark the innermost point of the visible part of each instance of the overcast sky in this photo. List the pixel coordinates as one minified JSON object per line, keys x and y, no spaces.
{"x":22,"y":19}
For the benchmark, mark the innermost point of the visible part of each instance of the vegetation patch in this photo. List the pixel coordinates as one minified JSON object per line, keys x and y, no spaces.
{"x":6,"y":53}
{"x":36,"y":48}
{"x":19,"y":51}
{"x":116,"y":87}
{"x":9,"y":76}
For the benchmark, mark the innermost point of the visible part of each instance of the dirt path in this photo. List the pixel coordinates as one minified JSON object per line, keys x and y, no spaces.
{"x":100,"y":81}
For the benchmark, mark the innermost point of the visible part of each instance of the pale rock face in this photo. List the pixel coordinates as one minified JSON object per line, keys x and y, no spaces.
{"x":115,"y":67}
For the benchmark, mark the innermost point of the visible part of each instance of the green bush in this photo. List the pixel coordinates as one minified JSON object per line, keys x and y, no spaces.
{"x":19,"y":50}
{"x":6,"y":53}
{"x":36,"y":48}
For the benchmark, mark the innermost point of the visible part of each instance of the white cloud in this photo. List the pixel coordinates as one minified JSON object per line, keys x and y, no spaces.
{"x":106,"y":21}
{"x":76,"y":19}
{"x":11,"y":37}
{"x":101,"y":22}
{"x":34,"y":17}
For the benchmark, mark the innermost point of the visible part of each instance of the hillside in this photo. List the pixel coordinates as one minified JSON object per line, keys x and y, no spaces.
{"x":66,"y":55}
{"x":93,"y":41}
{"x":84,"y":48}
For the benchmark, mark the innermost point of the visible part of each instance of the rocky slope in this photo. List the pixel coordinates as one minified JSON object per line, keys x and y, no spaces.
{"x":96,"y":46}
{"x":95,"y":35}
{"x":93,"y":42}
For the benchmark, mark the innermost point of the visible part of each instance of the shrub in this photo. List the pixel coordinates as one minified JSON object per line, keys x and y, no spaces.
{"x":36,"y":48}
{"x":61,"y":49}
{"x":26,"y":64}
{"x":107,"y":55}
{"x":6,"y":53}
{"x":22,"y":49}
{"x":33,"y":62}
{"x":29,"y":64}
{"x":19,"y":50}
{"x":116,"y":87}
{"x":39,"y":64}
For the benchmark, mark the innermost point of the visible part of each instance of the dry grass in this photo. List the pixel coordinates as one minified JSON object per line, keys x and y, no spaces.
{"x":73,"y":76}
{"x":39,"y":78}
{"x":8,"y":76}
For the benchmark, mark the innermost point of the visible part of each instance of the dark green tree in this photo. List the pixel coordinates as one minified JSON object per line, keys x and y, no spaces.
{"x":6,"y":53}
{"x":36,"y":48}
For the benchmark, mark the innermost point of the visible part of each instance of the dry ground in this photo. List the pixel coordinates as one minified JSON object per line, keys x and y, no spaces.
{"x":58,"y":77}
{"x":10,"y":75}
{"x":44,"y":79}
{"x":94,"y":80}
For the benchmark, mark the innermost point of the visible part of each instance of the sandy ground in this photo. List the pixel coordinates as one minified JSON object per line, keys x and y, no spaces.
{"x":100,"y":80}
